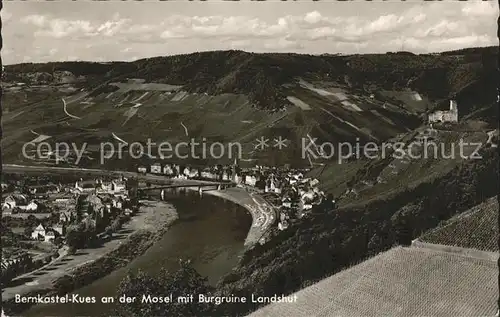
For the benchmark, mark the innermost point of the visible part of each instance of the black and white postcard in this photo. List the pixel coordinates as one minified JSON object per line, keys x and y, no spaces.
{"x":249,"y":158}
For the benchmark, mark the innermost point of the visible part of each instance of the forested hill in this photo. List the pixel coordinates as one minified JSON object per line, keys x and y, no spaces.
{"x":468,"y":75}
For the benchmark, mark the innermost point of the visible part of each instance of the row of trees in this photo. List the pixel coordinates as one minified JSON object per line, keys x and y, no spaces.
{"x":24,"y":264}
{"x":83,"y":232}
{"x":183,"y":282}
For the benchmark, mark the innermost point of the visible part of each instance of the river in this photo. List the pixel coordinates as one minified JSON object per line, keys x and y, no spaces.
{"x":210,"y":231}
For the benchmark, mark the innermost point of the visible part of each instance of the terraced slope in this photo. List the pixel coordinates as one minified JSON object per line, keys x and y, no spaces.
{"x":423,"y":155}
{"x":400,"y":282}
{"x":476,"y":228}
{"x":238,"y":96}
{"x":137,"y":111}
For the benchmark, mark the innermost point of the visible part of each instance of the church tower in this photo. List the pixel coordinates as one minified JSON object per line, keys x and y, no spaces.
{"x":453,"y":106}
{"x":453,"y":111}
{"x":234,"y":171}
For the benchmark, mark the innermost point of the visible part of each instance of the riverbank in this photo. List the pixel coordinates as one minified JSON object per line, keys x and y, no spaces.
{"x":210,"y":232}
{"x":72,"y":272}
{"x":263,"y":214}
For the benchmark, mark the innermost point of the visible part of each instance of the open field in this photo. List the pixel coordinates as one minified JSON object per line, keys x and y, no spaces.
{"x":476,"y":228}
{"x":400,"y":282}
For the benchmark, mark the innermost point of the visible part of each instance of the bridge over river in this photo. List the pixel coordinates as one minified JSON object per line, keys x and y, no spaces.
{"x":200,"y":186}
{"x":263,"y":213}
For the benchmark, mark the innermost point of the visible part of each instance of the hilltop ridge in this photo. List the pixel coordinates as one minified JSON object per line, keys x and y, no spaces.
{"x":235,"y":96}
{"x":334,"y":98}
{"x":464,"y":74}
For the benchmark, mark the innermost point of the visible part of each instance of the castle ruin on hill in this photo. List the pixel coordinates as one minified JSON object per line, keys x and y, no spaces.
{"x":445,"y":115}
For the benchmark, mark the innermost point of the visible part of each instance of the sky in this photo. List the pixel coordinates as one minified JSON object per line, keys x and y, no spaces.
{"x":113,"y":30}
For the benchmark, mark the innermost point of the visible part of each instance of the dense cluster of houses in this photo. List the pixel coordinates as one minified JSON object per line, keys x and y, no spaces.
{"x":97,"y":201}
{"x":296,"y":195}
{"x":93,"y":201}
{"x":217,"y":172}
{"x":19,"y":202}
{"x":47,"y":234}
{"x":100,"y":199}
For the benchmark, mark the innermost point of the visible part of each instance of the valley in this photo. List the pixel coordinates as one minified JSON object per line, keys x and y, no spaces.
{"x":435,"y":187}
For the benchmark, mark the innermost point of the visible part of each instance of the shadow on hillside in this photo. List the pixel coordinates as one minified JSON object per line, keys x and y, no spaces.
{"x":20,"y":281}
{"x":124,"y":231}
{"x":39,"y":273}
{"x":49,"y":269}
{"x":81,"y":253}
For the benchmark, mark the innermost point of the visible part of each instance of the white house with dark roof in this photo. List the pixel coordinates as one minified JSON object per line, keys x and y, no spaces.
{"x":50,"y":235}
{"x":250,"y":180}
{"x":118,"y":186}
{"x":86,"y":187}
{"x":38,"y":233}
{"x":207,"y":173}
{"x":105,"y":187}
{"x":156,"y":168}
{"x":13,"y":201}
{"x":30,"y":207}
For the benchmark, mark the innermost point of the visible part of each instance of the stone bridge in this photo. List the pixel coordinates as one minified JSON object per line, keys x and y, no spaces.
{"x":200,"y":186}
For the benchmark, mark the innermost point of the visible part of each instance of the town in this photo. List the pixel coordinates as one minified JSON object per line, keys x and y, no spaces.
{"x":43,"y":219}
{"x":48,"y":217}
{"x":289,"y":191}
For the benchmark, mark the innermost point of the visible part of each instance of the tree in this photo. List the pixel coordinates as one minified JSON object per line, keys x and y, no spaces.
{"x":180,"y":283}
{"x":71,"y":250}
{"x":81,"y":235}
{"x":58,"y":241}
{"x":108,"y":231}
{"x":27,"y":232}
{"x":31,"y":221}
{"x":116,"y":225}
{"x":74,"y":237}
{"x":54,"y":254}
